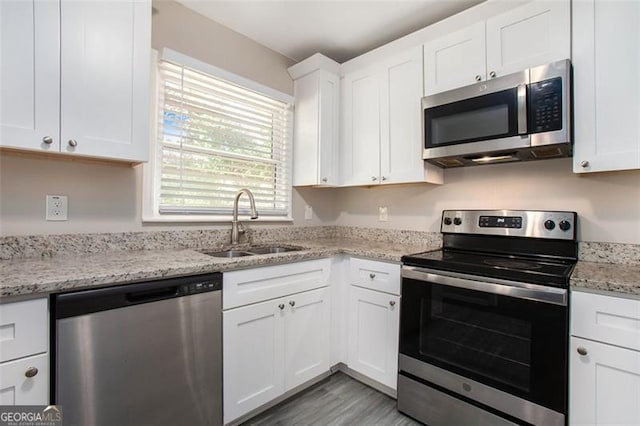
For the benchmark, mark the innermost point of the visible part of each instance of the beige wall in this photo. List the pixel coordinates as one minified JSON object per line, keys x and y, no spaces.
{"x":608,"y":204}
{"x":181,"y":29}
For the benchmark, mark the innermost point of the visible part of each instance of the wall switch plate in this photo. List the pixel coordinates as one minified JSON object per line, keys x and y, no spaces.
{"x":56,"y":207}
{"x":308,"y":212}
{"x":382,"y":214}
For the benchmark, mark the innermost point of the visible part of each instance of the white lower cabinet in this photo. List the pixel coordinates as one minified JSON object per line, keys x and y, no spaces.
{"x":25,"y":381}
{"x":604,"y":360}
{"x":605,"y":384}
{"x":373,"y":321}
{"x":275,"y":345}
{"x":24,"y":359}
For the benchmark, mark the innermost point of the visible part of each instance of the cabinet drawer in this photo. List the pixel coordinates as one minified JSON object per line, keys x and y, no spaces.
{"x":18,"y":389}
{"x":23,"y":328}
{"x":380,"y":276}
{"x":607,"y":319}
{"x":259,"y":284}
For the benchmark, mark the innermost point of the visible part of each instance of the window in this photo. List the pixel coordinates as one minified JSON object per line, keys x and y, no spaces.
{"x":217,"y":133}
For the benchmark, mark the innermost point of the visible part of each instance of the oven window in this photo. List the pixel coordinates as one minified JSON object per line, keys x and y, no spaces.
{"x":515,"y":345}
{"x":485,"y":342}
{"x":484,"y":117}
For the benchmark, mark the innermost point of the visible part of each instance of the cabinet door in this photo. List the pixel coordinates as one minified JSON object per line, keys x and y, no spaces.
{"x":534,"y":34}
{"x":253,"y":356}
{"x":30,"y":77}
{"x":400,"y":137}
{"x":360,"y":153}
{"x":105,"y":63}
{"x":373,"y":334}
{"x":18,"y":389}
{"x":604,"y":384}
{"x":606,"y":64}
{"x":315,"y":135}
{"x":455,"y":60}
{"x":306,"y":336}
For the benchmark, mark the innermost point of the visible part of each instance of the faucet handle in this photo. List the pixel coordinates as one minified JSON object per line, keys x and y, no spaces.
{"x":241,"y":228}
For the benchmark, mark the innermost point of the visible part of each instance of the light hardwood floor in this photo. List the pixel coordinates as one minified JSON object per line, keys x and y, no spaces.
{"x":337,"y":400}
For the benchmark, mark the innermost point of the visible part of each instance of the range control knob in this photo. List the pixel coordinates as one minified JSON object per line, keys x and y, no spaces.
{"x":447,"y":221}
{"x":457,"y":221}
{"x":564,"y":225}
{"x":549,"y":224}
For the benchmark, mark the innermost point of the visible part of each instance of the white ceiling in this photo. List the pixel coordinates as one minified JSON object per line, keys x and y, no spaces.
{"x":340,"y":30}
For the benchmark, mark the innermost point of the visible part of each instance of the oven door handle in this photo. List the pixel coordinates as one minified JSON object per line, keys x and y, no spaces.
{"x":538,"y":293}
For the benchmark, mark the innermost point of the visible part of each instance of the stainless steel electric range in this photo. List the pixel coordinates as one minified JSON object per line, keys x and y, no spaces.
{"x":484,"y":321}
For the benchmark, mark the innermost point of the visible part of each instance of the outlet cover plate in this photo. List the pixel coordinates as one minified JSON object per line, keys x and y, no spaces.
{"x":308,"y":212}
{"x":382,"y":214}
{"x":56,"y":207}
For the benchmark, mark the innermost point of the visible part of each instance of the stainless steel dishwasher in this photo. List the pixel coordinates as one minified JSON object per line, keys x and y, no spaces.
{"x":140,"y":354}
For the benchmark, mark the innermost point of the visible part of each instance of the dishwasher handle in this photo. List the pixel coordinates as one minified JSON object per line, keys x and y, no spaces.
{"x":66,"y":305}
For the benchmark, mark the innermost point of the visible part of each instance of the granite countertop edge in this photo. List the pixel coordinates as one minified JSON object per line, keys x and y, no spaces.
{"x":32,"y":277}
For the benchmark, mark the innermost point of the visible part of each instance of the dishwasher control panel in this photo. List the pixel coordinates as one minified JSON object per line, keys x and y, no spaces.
{"x":199,"y":287}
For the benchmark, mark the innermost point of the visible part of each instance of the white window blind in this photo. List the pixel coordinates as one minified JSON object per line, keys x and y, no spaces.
{"x":215,"y":138}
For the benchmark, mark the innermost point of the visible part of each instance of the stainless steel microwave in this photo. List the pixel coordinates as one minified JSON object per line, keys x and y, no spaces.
{"x":518,"y":117}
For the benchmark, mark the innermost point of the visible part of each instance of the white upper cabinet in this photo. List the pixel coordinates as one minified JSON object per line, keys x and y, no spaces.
{"x":533,"y":34}
{"x":316,"y":121}
{"x":455,"y":60}
{"x":606,"y":62}
{"x":77,"y":80}
{"x":381,"y":141}
{"x":30,"y":77}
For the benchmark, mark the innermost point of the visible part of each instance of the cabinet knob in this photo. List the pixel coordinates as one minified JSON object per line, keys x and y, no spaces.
{"x":281,"y":306}
{"x":478,"y":77}
{"x":372,"y":275}
{"x":292,"y":303}
{"x":584,"y":163}
{"x":48,"y":140}
{"x":384,"y":178}
{"x":324,"y":180}
{"x":73,"y":143}
{"x":31,"y":372}
{"x":373,"y":178}
{"x":492,"y":74}
{"x":392,"y":303}
{"x":582,"y":350}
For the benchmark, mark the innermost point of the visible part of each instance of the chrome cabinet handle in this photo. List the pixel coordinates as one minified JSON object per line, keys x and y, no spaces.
{"x":73,"y":143}
{"x":31,"y":372}
{"x":582,"y":350}
{"x":392,"y":303}
{"x":325,"y":180}
{"x":372,"y":275}
{"x":292,"y":303}
{"x":492,"y":74}
{"x":281,"y":306}
{"x":373,"y":178}
{"x":478,"y":77}
{"x":584,"y":163}
{"x":48,"y":140}
{"x":384,"y":178}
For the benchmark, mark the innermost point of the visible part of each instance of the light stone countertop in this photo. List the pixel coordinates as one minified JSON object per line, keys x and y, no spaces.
{"x":62,"y":273}
{"x":618,"y":278}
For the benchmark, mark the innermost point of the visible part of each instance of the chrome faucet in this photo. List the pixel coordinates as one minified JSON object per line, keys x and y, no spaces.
{"x":236,"y":228}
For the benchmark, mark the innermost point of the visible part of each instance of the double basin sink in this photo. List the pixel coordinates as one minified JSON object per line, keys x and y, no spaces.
{"x":251,"y":251}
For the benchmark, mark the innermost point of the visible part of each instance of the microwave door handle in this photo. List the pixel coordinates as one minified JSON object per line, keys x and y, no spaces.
{"x":522,"y":109}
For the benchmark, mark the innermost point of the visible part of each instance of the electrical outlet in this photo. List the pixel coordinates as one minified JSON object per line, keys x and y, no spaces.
{"x":382,"y":214}
{"x":308,"y":212}
{"x":56,"y":207}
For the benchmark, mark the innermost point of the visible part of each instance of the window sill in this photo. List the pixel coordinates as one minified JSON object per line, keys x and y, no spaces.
{"x":209,"y":219}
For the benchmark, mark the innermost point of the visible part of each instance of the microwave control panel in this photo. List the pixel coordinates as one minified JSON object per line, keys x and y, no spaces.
{"x":545,"y":106}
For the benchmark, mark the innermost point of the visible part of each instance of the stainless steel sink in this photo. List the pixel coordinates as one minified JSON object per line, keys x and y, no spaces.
{"x":271,"y":250}
{"x":228,"y":253}
{"x":251,"y":251}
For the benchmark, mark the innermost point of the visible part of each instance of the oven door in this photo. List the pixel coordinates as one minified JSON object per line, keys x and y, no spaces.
{"x":503,"y":344}
{"x":484,"y":117}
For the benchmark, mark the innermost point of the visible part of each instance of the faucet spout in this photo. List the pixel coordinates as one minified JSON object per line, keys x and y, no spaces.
{"x":235,"y":225}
